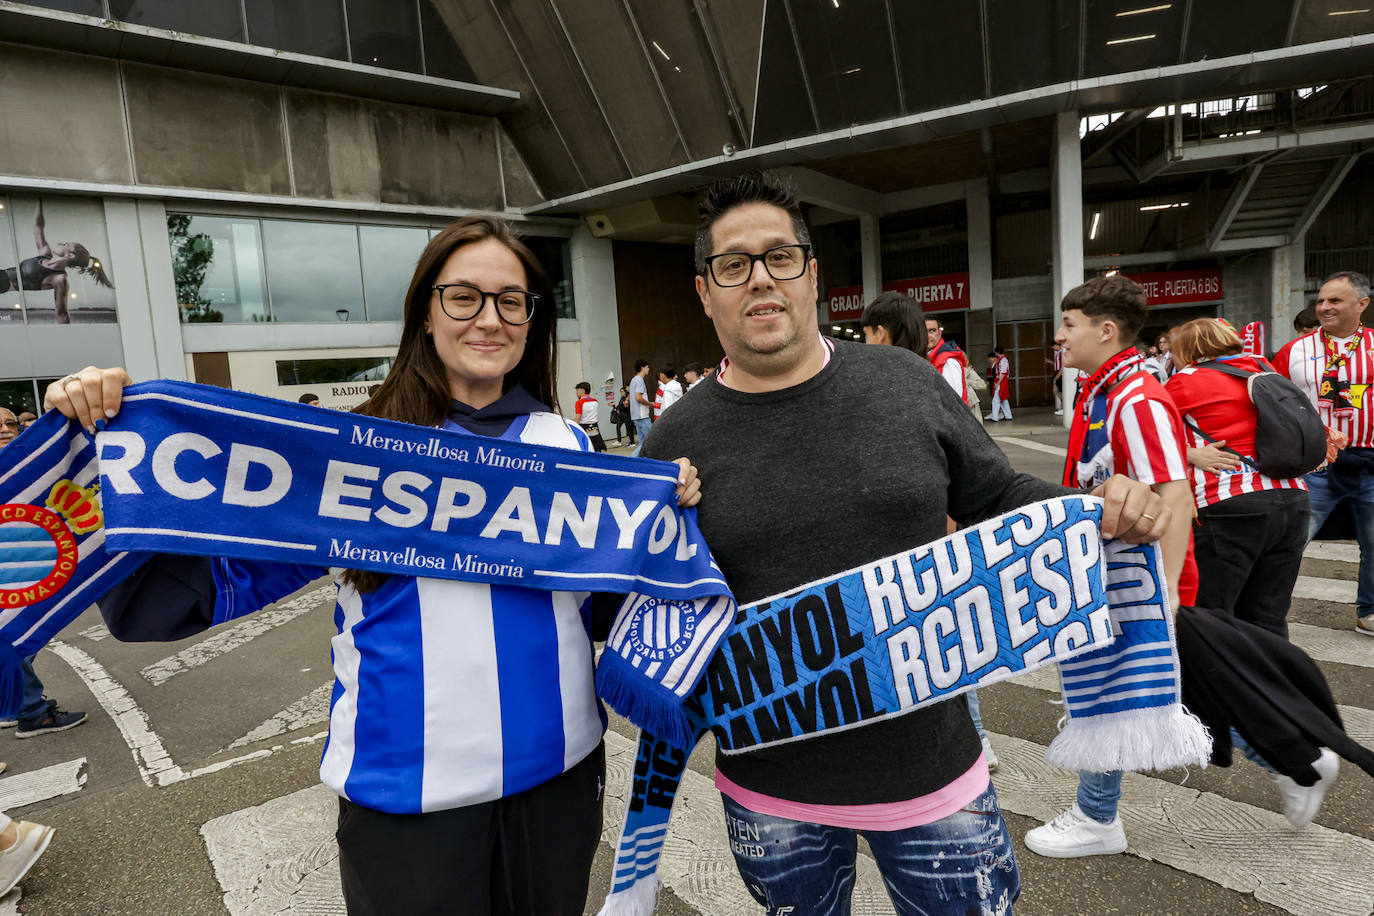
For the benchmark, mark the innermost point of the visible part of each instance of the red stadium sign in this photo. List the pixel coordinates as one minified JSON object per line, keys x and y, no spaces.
{"x":1179,"y":287}
{"x":941,"y":293}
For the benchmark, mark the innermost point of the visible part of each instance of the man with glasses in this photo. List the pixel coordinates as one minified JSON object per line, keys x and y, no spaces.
{"x":9,"y":426}
{"x":822,"y":456}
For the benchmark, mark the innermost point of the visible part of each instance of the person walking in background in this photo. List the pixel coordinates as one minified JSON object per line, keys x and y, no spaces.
{"x":1123,"y":423}
{"x":894,"y":320}
{"x":620,"y":416}
{"x":640,"y":405}
{"x":1250,"y":529}
{"x":1334,"y":367}
{"x":1056,"y":363}
{"x":669,"y":391}
{"x":1305,"y":322}
{"x":310,"y":399}
{"x":1001,"y":385}
{"x":585,"y":412}
{"x":691,"y":374}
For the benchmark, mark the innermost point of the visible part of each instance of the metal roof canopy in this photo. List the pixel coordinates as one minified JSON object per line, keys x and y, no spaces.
{"x":126,"y":41}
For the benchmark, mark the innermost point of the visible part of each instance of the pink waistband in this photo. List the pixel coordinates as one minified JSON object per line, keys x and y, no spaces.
{"x":924,"y":809}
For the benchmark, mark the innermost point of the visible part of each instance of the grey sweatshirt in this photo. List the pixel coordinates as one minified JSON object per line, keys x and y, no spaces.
{"x":859,"y":462}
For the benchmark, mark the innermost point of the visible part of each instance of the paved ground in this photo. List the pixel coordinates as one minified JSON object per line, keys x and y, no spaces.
{"x":193,"y":788}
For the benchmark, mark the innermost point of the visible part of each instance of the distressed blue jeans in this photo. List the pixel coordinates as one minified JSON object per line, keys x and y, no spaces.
{"x":641,"y":429}
{"x":1326,"y":490}
{"x":961,"y":864}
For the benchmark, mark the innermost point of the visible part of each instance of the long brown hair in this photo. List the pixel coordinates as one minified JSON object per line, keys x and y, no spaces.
{"x":416,"y":389}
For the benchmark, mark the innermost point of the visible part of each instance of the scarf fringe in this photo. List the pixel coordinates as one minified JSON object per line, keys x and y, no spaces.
{"x":11,"y":682}
{"x":1162,"y":738}
{"x":639,"y":899}
{"x":647,"y":704}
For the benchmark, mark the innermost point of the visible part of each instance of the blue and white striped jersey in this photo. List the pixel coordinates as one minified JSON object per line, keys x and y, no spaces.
{"x":447,"y":693}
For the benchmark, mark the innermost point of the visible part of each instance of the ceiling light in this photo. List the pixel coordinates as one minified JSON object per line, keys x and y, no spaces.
{"x":1145,"y":9}
{"x":854,"y":70}
{"x":836,"y":2}
{"x":836,"y":327}
{"x":1097,"y":220}
{"x":1175,"y":204}
{"x":1112,"y":273}
{"x":660,"y":50}
{"x":1347,"y":12}
{"x":1122,"y":41}
{"x":677,"y":68}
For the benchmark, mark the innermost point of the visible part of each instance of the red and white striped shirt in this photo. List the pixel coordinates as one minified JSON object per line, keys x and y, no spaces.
{"x":1304,"y":362}
{"x":1220,"y":406}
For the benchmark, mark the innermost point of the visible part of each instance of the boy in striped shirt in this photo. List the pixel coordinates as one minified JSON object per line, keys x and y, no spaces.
{"x":1123,"y":423}
{"x":1334,"y":366}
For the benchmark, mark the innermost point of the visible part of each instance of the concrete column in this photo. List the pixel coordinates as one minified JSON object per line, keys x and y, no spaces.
{"x":1287,"y":290}
{"x":871,"y":254}
{"x":163,"y":312}
{"x":593,"y":277}
{"x":979,"y":212}
{"x":1066,"y":203}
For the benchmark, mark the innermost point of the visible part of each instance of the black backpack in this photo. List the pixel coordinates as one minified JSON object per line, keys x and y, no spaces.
{"x":1290,"y":439}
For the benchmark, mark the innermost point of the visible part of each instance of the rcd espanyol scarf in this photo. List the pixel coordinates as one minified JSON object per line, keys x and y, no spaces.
{"x":192,"y":469}
{"x":1010,"y":595}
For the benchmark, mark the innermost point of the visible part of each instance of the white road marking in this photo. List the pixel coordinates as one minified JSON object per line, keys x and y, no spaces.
{"x":231,"y":638}
{"x":39,"y":785}
{"x":1344,"y":647}
{"x":95,"y":633}
{"x":279,"y":856}
{"x":311,"y":709}
{"x":155,"y":766}
{"x":1315,"y":871}
{"x":1333,"y":550}
{"x":1034,"y":446}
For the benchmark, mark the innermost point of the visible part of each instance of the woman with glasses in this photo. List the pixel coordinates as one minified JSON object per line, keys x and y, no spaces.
{"x":465,"y":736}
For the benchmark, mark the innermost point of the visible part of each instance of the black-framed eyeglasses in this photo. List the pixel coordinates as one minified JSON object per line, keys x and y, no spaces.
{"x":734,"y":268}
{"x":462,"y":302}
{"x":9,"y":424}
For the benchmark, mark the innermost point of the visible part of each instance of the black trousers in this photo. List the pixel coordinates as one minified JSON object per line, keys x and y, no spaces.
{"x":594,"y":433}
{"x":1248,"y":550}
{"x":527,"y":853}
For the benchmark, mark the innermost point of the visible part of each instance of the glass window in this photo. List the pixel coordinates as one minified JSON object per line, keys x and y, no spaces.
{"x":313,"y":271}
{"x":211,"y":18}
{"x":323,"y":371}
{"x":61,"y":265}
{"x":555,"y":256}
{"x":18,"y":395}
{"x":304,"y":26}
{"x":389,"y":256}
{"x":442,"y":57}
{"x":385,"y":33}
{"x":217,"y":268}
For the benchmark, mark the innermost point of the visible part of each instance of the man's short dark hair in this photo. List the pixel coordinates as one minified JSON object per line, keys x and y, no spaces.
{"x":901,"y":316}
{"x":308,"y":398}
{"x":1119,"y":298}
{"x":729,"y":193}
{"x":694,"y":368}
{"x":640,"y":364}
{"x":1306,"y":320}
{"x":1358,"y":281}
{"x":669,"y":370}
{"x":583,"y":387}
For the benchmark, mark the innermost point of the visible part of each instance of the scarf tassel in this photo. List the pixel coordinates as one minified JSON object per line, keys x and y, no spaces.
{"x":639,"y":899}
{"x":645,"y":702}
{"x":1160,"y":738}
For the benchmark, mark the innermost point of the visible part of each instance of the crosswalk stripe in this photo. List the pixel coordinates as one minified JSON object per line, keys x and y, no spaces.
{"x":39,"y":785}
{"x":311,"y":709}
{"x":1319,"y":589}
{"x":233,"y":637}
{"x":1315,"y":871}
{"x":1344,"y":647}
{"x":1333,"y":550}
{"x":1032,"y":445}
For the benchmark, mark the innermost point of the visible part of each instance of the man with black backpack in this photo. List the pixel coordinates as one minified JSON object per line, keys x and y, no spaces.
{"x":1334,"y":367}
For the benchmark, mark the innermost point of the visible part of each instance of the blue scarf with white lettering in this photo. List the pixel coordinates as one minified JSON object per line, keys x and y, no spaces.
{"x":192,"y":469}
{"x":1032,"y":587}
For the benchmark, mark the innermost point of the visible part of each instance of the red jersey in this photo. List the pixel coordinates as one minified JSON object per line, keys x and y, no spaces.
{"x":1220,"y":406}
{"x":1342,"y":396}
{"x":1125,"y":423}
{"x":950,"y":362}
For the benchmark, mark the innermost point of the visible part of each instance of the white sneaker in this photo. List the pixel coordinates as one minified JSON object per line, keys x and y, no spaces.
{"x":16,"y":861}
{"x":989,"y":755}
{"x":1059,"y":413}
{"x":1301,"y":803}
{"x":1073,"y":834}
{"x":1365,"y":625}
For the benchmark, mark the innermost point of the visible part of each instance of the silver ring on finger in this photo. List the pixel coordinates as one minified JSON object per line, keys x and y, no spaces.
{"x":65,"y":379}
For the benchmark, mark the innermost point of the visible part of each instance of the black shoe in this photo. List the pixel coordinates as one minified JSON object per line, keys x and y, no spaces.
{"x":55,"y":720}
